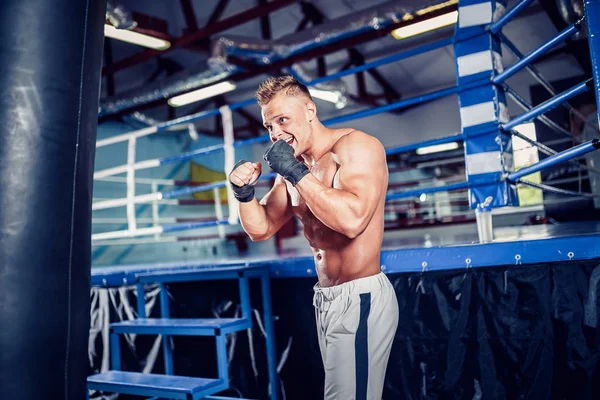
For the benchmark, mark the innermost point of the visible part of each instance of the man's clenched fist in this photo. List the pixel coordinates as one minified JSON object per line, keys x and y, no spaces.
{"x":242,"y":178}
{"x":281,"y":159}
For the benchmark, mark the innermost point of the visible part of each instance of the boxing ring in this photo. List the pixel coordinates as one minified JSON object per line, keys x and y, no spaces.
{"x":485,"y":311}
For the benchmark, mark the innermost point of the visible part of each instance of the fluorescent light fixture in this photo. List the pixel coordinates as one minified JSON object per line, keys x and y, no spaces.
{"x":330,"y":96}
{"x":134,"y":37}
{"x":425,"y":26}
{"x":201,"y":94}
{"x":437,"y":148}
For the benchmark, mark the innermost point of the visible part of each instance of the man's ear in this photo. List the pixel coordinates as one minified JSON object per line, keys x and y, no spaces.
{"x":311,"y":110}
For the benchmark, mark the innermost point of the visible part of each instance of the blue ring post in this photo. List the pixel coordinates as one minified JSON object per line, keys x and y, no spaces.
{"x":592,"y":15}
{"x":50,"y":66}
{"x":488,"y":150}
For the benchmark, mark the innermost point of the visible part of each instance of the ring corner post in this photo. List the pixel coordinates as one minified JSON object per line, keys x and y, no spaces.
{"x":592,"y":18}
{"x":488,"y":149}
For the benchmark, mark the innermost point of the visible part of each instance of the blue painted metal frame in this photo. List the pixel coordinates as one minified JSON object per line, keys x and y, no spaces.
{"x":373,"y":64}
{"x":343,"y":118}
{"x":244,"y":289}
{"x":222,"y":364}
{"x":141,"y":300}
{"x":427,"y":190}
{"x":130,"y":385}
{"x":209,"y":272}
{"x":265,"y":284}
{"x":165,"y":312}
{"x":393,"y":106}
{"x":180,"y":192}
{"x":194,"y":225}
{"x":385,"y":60}
{"x":414,"y":146}
{"x":115,"y":351}
{"x":583,"y":247}
{"x":181,"y":327}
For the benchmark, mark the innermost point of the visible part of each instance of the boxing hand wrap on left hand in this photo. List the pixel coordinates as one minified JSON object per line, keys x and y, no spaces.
{"x":280,"y":157}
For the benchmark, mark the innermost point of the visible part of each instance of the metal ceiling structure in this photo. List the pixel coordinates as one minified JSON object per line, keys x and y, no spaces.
{"x":320,"y":37}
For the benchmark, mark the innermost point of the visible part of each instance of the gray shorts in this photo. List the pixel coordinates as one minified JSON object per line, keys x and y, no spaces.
{"x":356,"y":324}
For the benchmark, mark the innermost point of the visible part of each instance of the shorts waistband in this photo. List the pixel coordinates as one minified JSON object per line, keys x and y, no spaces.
{"x":361,"y":285}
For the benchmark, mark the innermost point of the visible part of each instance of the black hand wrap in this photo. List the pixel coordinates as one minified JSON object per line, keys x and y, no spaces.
{"x":245,"y":193}
{"x":280,"y":157}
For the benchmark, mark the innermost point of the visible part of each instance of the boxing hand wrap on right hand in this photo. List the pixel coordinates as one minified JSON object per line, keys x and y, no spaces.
{"x":281,"y":159}
{"x":243,"y":194}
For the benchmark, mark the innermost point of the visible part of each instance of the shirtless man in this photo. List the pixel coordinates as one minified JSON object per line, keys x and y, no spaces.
{"x":335,"y":182}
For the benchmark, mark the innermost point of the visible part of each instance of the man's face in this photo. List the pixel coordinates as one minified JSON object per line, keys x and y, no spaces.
{"x":288,"y":118}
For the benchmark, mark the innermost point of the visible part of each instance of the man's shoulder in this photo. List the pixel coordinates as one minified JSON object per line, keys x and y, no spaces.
{"x":356,"y":140}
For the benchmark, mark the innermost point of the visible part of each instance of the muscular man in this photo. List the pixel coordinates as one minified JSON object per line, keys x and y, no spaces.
{"x":335,"y":182}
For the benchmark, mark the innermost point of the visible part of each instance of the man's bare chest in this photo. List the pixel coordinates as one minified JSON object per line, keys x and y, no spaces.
{"x":326,"y":173}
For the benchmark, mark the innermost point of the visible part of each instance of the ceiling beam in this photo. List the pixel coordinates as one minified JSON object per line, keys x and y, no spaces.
{"x":316,"y":17}
{"x":254,"y":124}
{"x":340,"y":45}
{"x":356,"y":58}
{"x":277,"y":66}
{"x":202,"y":33}
{"x":389,"y":92}
{"x":302,"y":24}
{"x":190,"y":16}
{"x":217,"y":12}
{"x":265,"y":22}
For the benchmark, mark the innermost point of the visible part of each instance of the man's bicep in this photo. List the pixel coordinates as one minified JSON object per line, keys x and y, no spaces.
{"x":277,"y":205}
{"x":363,"y":171}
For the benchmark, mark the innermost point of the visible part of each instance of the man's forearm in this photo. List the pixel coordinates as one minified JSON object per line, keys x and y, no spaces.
{"x":254,"y":219}
{"x":338,"y":209}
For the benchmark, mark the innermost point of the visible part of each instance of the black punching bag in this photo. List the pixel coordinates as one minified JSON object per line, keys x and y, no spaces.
{"x":50,"y":63}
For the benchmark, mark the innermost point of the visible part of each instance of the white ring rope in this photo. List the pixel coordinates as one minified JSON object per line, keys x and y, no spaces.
{"x":229,"y":160}
{"x":131,"y":184}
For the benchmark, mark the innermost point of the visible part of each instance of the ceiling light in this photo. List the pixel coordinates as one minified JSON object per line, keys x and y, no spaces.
{"x":201,"y":94}
{"x":331,"y":96}
{"x":136,"y":38}
{"x":437,"y":148}
{"x":426,"y":25}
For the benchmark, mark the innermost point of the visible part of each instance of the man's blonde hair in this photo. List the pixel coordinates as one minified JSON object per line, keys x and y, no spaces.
{"x":274,"y":85}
